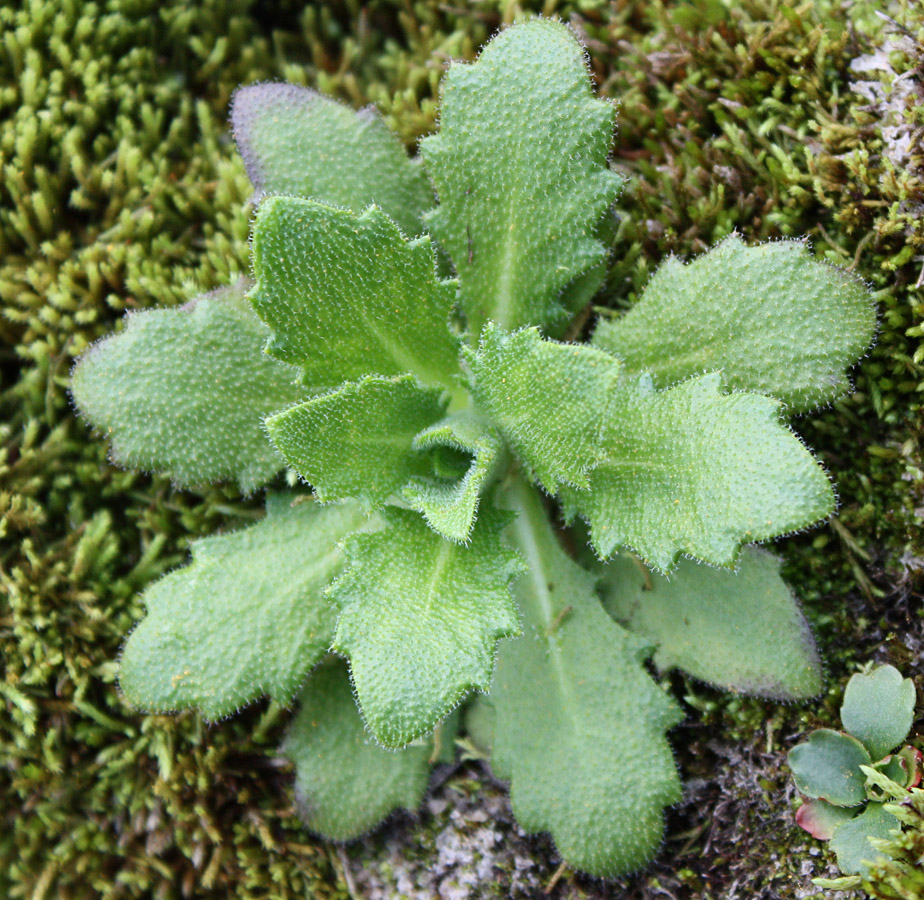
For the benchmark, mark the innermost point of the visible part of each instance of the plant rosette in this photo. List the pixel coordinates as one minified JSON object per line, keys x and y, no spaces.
{"x":405,"y":361}
{"x":849,"y":777}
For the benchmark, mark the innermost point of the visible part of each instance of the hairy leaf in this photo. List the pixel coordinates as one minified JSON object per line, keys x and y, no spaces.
{"x":345,"y":783}
{"x":851,"y":840}
{"x":878,"y":709}
{"x":770,"y":317}
{"x":741,"y":630}
{"x":449,"y":501}
{"x":242,"y":619}
{"x":420,"y":617}
{"x":827,"y":767}
{"x":348,"y":296}
{"x":580,"y":292}
{"x":520,"y":168}
{"x":692,"y":470}
{"x":296,"y":141}
{"x":358,"y":441}
{"x":160,"y":389}
{"x":547,"y":398}
{"x":579,"y":724}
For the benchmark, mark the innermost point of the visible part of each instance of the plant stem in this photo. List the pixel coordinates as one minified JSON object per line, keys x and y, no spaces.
{"x":533,"y":535}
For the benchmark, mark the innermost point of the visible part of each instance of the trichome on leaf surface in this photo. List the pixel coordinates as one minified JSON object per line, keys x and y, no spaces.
{"x":443,"y":427}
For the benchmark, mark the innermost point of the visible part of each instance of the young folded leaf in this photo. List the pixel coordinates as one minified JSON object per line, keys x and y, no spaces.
{"x":547,"y":398}
{"x":358,"y":442}
{"x":348,"y":296}
{"x":420,"y":618}
{"x":520,"y":168}
{"x":449,"y":499}
{"x":159,"y":391}
{"x":693,"y":470}
{"x":770,"y":317}
{"x":579,"y":725}
{"x":739,"y":630}
{"x":296,"y":141}
{"x":247,"y":617}
{"x":345,"y":783}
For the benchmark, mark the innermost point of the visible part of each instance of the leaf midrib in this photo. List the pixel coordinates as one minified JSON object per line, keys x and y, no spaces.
{"x":406,"y":361}
{"x":508,"y":257}
{"x":441,"y":559}
{"x":526,"y":529}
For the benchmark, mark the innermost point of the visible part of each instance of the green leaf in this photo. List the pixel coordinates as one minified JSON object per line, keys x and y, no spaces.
{"x":160,"y":389}
{"x":420,"y":618}
{"x":851,"y":840}
{"x":770,"y":317}
{"x":740,"y":630}
{"x":296,"y":141}
{"x":904,"y":767}
{"x":242,"y":619}
{"x":579,"y":724}
{"x":580,"y":292}
{"x":448,"y":501}
{"x":547,"y":398}
{"x":692,"y":470}
{"x":359,"y":441}
{"x":878,"y":709}
{"x":881,"y":786}
{"x":821,"y":819}
{"x":478,"y":723}
{"x":895,"y":768}
{"x":827,"y":767}
{"x":348,"y":296}
{"x":520,"y":168}
{"x":345,"y":783}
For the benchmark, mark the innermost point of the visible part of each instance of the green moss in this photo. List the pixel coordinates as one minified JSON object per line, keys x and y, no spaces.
{"x":119,"y":189}
{"x":900,"y":876}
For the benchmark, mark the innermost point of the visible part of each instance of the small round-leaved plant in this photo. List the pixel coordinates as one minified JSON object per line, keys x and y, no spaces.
{"x":853,"y":779}
{"x":401,"y":349}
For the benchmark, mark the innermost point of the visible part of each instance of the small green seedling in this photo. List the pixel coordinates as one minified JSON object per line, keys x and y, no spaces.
{"x":437,"y":430}
{"x":849,"y":777}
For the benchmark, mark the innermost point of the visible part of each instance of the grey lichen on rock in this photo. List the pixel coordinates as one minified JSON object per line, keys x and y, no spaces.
{"x":738,"y":841}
